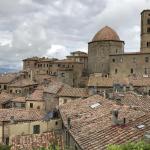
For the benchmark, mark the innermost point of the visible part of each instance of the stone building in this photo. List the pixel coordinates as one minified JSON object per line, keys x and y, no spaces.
{"x":68,"y":70}
{"x":106,"y":53}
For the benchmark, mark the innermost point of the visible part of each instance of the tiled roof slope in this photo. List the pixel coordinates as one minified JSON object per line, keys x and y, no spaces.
{"x":134,"y":100}
{"x":139,"y":81}
{"x":35,"y":141}
{"x":7,"y":78}
{"x":20,"y":115}
{"x":23,"y":83}
{"x":116,"y":134}
{"x":54,"y":87}
{"x":37,"y":95}
{"x":88,"y":122}
{"x":15,"y":99}
{"x":73,"y":92}
{"x":4,"y":96}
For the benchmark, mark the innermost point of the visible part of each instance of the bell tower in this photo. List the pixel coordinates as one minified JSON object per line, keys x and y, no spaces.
{"x":145,"y":31}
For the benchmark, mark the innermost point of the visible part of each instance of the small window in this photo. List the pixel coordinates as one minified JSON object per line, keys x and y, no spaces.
{"x":65,"y":101}
{"x":146,"y":59}
{"x":134,"y":59}
{"x":95,"y":105}
{"x":131,"y":71}
{"x":141,"y":126}
{"x":36,"y":129}
{"x":116,"y":71}
{"x":148,"y":44}
{"x":38,"y":107}
{"x":56,"y":123}
{"x":121,"y":59}
{"x":116,"y":51}
{"x":113,"y":60}
{"x":145,"y":71}
{"x":148,"y":30}
{"x":31,"y":105}
{"x":76,"y":147}
{"x":23,"y":105}
{"x":5,"y":87}
{"x":0,"y":86}
{"x":62,"y":74}
{"x":148,"y":21}
{"x":10,"y":91}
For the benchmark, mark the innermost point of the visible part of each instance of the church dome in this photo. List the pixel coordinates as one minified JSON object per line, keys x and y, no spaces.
{"x":106,"y":33}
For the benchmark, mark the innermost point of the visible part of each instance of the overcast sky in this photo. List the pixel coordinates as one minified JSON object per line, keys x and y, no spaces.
{"x":54,"y":28}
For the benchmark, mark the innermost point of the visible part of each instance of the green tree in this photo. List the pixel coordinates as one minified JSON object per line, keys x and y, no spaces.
{"x":130,"y":146}
{"x":5,"y":147}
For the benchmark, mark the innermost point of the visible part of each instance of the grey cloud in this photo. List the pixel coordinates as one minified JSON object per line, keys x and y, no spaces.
{"x":47,"y":27}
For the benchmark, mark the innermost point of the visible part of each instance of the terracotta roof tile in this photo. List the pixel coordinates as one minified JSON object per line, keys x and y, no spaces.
{"x":7,"y":78}
{"x":15,"y":99}
{"x":88,"y":124}
{"x":22,"y":83}
{"x":35,"y":141}
{"x":73,"y":92}
{"x":4,"y":96}
{"x":20,"y":114}
{"x":54,"y":87}
{"x":135,"y":101}
{"x":37,"y":95}
{"x":106,"y":33}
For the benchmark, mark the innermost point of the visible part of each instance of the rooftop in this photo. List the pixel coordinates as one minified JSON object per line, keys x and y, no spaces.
{"x":73,"y":92}
{"x":22,"y":83}
{"x":89,"y":125}
{"x":20,"y":115}
{"x":36,"y":141}
{"x":37,"y":95}
{"x":54,"y":87}
{"x":106,"y":33}
{"x":7,"y":78}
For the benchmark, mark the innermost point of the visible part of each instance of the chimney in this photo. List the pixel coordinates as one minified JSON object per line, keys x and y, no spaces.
{"x":147,"y":137}
{"x":104,"y":93}
{"x":12,"y":119}
{"x":31,"y":75}
{"x":115,"y":113}
{"x":69,"y":123}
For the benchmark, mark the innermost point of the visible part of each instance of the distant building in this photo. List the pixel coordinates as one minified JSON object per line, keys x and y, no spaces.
{"x":68,"y":70}
{"x":106,"y":53}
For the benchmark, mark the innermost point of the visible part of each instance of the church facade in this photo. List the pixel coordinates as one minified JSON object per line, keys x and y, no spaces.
{"x":106,"y":53}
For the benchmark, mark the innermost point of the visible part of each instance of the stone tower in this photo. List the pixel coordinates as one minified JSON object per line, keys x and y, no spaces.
{"x":104,"y":43}
{"x":145,"y":31}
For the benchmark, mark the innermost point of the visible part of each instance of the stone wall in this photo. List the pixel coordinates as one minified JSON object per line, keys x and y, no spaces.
{"x":98,"y":55}
{"x":145,"y":34}
{"x":130,"y":64}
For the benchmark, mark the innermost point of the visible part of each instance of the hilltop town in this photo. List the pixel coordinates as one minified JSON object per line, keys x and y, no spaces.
{"x":84,"y":102}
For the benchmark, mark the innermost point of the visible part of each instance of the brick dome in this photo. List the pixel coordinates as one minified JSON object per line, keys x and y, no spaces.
{"x":106,"y":33}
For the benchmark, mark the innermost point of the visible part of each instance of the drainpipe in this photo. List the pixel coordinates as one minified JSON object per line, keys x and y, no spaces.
{"x":3,"y":132}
